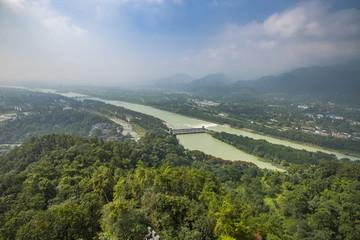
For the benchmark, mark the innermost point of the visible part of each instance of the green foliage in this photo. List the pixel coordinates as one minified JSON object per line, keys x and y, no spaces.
{"x":229,"y":222}
{"x":63,"y":187}
{"x":147,"y":122}
{"x":65,"y":221}
{"x":40,"y":113}
{"x":57,"y":121}
{"x":250,"y":110}
{"x":123,"y":222}
{"x":278,"y":154}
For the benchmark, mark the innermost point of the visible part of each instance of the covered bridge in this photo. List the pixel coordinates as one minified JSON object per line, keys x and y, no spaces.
{"x":187,"y":131}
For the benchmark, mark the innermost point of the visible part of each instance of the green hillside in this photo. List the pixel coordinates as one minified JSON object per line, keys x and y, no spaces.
{"x":64,"y":187}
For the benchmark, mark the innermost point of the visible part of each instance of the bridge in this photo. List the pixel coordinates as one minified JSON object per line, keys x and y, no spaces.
{"x":187,"y":131}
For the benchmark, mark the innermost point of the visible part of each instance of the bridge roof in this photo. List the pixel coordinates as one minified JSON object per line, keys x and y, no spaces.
{"x":188,"y":130}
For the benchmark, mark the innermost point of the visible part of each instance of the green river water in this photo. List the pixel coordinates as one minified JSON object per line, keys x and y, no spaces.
{"x":179,"y":121}
{"x":204,"y":142}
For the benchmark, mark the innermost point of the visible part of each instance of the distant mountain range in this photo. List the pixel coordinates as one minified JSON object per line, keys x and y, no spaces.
{"x":327,"y":80}
{"x":337,"y":79}
{"x":210,"y":82}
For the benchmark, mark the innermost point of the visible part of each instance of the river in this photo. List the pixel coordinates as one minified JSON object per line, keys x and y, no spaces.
{"x":205,"y":142}
{"x":180,"y":121}
{"x":280,"y":141}
{"x":202,"y":142}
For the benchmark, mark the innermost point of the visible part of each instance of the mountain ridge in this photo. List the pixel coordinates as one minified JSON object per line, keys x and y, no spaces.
{"x":340,"y":79}
{"x":314,"y":80}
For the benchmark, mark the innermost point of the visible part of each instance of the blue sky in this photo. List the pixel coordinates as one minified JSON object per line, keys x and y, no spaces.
{"x":127,"y":41}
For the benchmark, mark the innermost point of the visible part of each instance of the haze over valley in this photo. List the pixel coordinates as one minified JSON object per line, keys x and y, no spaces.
{"x":122,"y":42}
{"x":178,"y":119}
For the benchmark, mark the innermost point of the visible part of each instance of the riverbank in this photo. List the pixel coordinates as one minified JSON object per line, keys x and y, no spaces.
{"x":180,"y":121}
{"x":323,"y":149}
{"x":285,"y":142}
{"x":206,"y":143}
{"x":285,"y":137}
{"x":276,"y":154}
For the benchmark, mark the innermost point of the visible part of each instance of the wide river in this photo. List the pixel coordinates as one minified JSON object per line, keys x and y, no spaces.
{"x":205,"y":142}
{"x":179,"y":121}
{"x":209,"y":145}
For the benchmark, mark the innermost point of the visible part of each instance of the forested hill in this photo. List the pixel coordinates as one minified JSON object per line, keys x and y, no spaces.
{"x":327,"y":80}
{"x":24,"y":114}
{"x":332,"y":81}
{"x":65,"y":187}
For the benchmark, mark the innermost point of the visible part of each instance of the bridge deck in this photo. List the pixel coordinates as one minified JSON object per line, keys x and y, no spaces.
{"x":187,"y":131}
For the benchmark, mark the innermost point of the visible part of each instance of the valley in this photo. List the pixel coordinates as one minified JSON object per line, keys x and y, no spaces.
{"x":179,"y":120}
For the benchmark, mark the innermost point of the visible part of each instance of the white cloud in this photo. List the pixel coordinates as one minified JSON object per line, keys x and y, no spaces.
{"x":309,"y":34}
{"x":43,"y":12}
{"x":40,"y":41}
{"x":286,"y":24}
{"x":16,"y":5}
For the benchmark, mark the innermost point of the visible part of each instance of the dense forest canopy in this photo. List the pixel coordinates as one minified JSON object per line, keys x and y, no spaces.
{"x":99,"y":184}
{"x":36,"y":114}
{"x":272,"y":86}
{"x":64,"y":187}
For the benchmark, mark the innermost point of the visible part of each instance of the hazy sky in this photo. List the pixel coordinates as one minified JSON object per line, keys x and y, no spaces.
{"x":119,"y":41}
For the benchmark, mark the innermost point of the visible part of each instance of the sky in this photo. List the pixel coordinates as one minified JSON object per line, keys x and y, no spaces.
{"x":130,"y":41}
